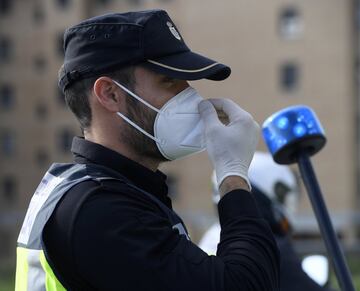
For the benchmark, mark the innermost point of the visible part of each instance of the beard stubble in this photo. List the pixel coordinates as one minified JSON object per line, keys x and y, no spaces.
{"x":139,"y":142}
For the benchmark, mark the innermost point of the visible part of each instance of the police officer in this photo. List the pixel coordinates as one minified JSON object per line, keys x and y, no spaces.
{"x":105,"y":222}
{"x":275,"y":189}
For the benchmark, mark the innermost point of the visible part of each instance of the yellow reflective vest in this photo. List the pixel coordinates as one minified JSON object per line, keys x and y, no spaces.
{"x":33,"y":271}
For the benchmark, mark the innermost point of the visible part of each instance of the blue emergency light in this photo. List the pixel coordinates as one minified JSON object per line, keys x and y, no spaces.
{"x":291,"y":130}
{"x":292,"y":135}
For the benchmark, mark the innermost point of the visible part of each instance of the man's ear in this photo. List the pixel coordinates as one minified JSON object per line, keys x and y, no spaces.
{"x":108,"y":94}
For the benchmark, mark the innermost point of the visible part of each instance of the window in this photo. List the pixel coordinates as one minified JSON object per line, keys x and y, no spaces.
{"x":60,"y":96}
{"x":41,"y":111}
{"x":7,"y":239}
{"x":5,"y":49}
{"x":5,"y":6}
{"x":7,"y":140}
{"x":63,"y":3}
{"x":135,"y":2}
{"x":9,"y":189}
{"x":39,"y":13}
{"x":59,"y":44}
{"x":42,"y":157}
{"x":357,"y":16}
{"x":104,"y":2}
{"x":7,"y":97}
{"x":290,"y":23}
{"x":65,"y":137}
{"x":40,"y":63}
{"x":289,"y":77}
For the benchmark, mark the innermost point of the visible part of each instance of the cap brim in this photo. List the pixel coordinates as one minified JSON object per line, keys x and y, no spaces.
{"x":189,"y":66}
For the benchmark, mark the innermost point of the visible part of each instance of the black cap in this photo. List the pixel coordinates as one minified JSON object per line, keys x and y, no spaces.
{"x":112,"y":41}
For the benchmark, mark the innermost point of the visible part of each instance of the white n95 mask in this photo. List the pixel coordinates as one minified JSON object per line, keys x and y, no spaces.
{"x":178,"y":128}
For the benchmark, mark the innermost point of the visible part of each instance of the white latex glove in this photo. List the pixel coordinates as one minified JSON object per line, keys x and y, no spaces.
{"x":230,"y":147}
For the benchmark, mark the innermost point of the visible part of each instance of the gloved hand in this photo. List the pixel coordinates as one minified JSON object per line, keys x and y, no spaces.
{"x":230,"y":147}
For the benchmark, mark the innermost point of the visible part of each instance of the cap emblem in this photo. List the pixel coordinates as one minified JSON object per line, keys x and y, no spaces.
{"x":173,"y":30}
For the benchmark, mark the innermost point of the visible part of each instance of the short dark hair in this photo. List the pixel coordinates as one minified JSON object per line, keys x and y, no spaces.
{"x":77,"y":95}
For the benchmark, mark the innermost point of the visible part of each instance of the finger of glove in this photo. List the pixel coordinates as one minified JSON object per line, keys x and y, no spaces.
{"x":230,"y":108}
{"x":208,"y":113}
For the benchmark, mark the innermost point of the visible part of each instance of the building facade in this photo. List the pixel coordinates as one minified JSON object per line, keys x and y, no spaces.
{"x":281,"y":52}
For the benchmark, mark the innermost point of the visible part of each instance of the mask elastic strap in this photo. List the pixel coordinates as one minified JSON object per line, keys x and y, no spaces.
{"x":136,"y":97}
{"x":139,"y":128}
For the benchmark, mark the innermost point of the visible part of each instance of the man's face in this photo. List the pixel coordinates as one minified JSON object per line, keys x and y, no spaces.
{"x":156,"y":89}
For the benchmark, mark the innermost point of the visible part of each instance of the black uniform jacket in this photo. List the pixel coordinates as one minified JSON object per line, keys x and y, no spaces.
{"x":109,"y":236}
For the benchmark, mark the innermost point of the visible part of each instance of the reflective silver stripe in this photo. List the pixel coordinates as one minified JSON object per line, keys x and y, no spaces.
{"x":46,"y":211}
{"x":36,"y":274}
{"x":182,"y":70}
{"x":46,"y":186}
{"x":70,"y":176}
{"x":181,"y":230}
{"x":57,"y":181}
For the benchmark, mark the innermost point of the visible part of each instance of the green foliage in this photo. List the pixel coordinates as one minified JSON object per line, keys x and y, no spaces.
{"x":354,"y":265}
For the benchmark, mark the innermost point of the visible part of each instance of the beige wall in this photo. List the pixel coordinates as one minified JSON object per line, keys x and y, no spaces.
{"x":243,"y":34}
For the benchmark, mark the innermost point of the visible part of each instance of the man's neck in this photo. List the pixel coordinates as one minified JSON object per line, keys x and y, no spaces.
{"x":147,"y":162}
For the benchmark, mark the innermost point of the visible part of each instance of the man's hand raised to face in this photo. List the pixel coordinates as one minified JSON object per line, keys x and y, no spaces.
{"x":230,"y":147}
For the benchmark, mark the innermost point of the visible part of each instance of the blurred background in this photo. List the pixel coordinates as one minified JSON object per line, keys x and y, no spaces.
{"x":282,"y":53}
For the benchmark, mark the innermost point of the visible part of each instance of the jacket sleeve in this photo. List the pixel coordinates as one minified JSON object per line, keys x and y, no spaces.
{"x":131,"y":246}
